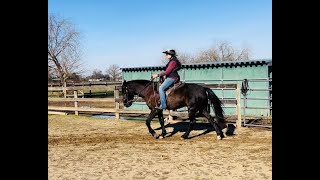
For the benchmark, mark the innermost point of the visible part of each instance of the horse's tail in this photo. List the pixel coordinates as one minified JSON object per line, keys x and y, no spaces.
{"x":217,"y":105}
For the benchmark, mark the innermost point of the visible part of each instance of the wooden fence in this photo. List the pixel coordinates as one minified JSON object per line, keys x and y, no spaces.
{"x":117,"y":100}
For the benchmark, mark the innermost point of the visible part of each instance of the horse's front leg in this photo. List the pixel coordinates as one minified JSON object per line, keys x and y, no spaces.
{"x":161,"y":120}
{"x":148,"y":121}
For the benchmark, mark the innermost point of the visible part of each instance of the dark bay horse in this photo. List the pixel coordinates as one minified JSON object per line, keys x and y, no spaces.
{"x":194,"y":96}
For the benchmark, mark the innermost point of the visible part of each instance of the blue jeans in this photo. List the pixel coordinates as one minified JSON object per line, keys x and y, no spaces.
{"x":164,"y":86}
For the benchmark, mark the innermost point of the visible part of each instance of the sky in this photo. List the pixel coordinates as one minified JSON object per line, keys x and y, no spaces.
{"x":133,"y":33}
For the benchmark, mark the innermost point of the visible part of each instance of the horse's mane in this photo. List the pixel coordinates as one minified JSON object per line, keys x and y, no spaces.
{"x":140,"y":81}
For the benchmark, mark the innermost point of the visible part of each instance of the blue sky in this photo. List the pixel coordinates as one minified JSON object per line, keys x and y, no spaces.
{"x":133,"y":33}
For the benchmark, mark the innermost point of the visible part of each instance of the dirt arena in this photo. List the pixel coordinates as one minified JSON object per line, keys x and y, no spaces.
{"x":95,"y":148}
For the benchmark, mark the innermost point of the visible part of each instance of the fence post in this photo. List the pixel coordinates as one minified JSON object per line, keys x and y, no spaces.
{"x":238,"y":96}
{"x":64,"y":89}
{"x":170,"y":116}
{"x":117,"y":104}
{"x":75,"y":95}
{"x":90,"y":89}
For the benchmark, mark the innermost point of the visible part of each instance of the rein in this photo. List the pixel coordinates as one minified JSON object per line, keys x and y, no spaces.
{"x":134,"y":99}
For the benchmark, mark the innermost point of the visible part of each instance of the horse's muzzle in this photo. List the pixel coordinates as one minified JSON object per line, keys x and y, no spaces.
{"x":128,"y":104}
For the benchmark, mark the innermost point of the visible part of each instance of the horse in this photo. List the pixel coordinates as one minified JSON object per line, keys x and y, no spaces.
{"x":193,"y":96}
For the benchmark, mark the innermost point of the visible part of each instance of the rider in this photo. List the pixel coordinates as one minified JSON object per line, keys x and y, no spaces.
{"x":171,"y":74}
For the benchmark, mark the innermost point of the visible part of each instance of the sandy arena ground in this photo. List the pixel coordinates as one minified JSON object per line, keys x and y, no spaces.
{"x":94,"y":148}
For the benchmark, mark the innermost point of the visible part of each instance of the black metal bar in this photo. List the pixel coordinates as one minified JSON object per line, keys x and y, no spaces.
{"x":258,"y":89}
{"x":258,"y":98}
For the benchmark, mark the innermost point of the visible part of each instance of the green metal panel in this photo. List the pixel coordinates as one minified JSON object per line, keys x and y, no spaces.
{"x":239,"y":73}
{"x":138,"y":106}
{"x":134,"y":75}
{"x":253,"y":72}
{"x":201,"y":75}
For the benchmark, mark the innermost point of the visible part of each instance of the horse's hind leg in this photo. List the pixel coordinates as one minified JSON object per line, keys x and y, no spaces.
{"x":161,"y":120}
{"x":191,"y":114}
{"x":151,"y":116}
{"x":215,"y":125}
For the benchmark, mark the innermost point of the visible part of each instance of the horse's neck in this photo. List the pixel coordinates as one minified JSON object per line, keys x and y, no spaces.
{"x":147,"y":92}
{"x":141,"y":89}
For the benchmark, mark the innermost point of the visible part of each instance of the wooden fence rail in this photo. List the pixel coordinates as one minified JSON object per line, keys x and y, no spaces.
{"x":82,"y":99}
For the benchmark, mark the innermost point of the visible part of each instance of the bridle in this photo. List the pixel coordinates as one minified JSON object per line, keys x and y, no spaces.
{"x":134,"y":99}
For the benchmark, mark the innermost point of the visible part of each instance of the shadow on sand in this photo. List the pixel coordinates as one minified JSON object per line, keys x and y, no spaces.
{"x":199,"y":126}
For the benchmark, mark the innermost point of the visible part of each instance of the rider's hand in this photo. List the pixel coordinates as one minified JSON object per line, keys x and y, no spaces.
{"x":154,"y":76}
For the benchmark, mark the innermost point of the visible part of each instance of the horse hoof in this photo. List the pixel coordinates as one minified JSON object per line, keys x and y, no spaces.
{"x":160,"y":137}
{"x":219,"y":137}
{"x":184,"y":137}
{"x":155,"y":135}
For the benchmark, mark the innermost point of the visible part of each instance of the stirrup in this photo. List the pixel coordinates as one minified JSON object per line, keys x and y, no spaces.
{"x":158,"y":107}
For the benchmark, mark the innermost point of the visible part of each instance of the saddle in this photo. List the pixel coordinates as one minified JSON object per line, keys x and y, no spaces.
{"x":173,"y":87}
{"x":170,"y":88}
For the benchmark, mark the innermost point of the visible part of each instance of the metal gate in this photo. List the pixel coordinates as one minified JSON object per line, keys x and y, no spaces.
{"x":247,"y":98}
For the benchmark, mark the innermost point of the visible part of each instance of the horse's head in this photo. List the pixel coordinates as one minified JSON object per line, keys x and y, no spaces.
{"x":127,"y":94}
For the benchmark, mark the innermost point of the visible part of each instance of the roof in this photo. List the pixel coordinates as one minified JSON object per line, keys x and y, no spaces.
{"x":207,"y":64}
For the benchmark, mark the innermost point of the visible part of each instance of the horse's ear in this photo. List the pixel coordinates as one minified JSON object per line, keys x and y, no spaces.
{"x":124,"y":82}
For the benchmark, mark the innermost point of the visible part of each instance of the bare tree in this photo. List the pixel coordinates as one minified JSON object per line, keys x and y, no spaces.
{"x":97,"y":74}
{"x":76,"y":77}
{"x":114,"y":72}
{"x":50,"y":74}
{"x":207,"y":55}
{"x":63,"y":48}
{"x":185,"y":58}
{"x":222,"y":52}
